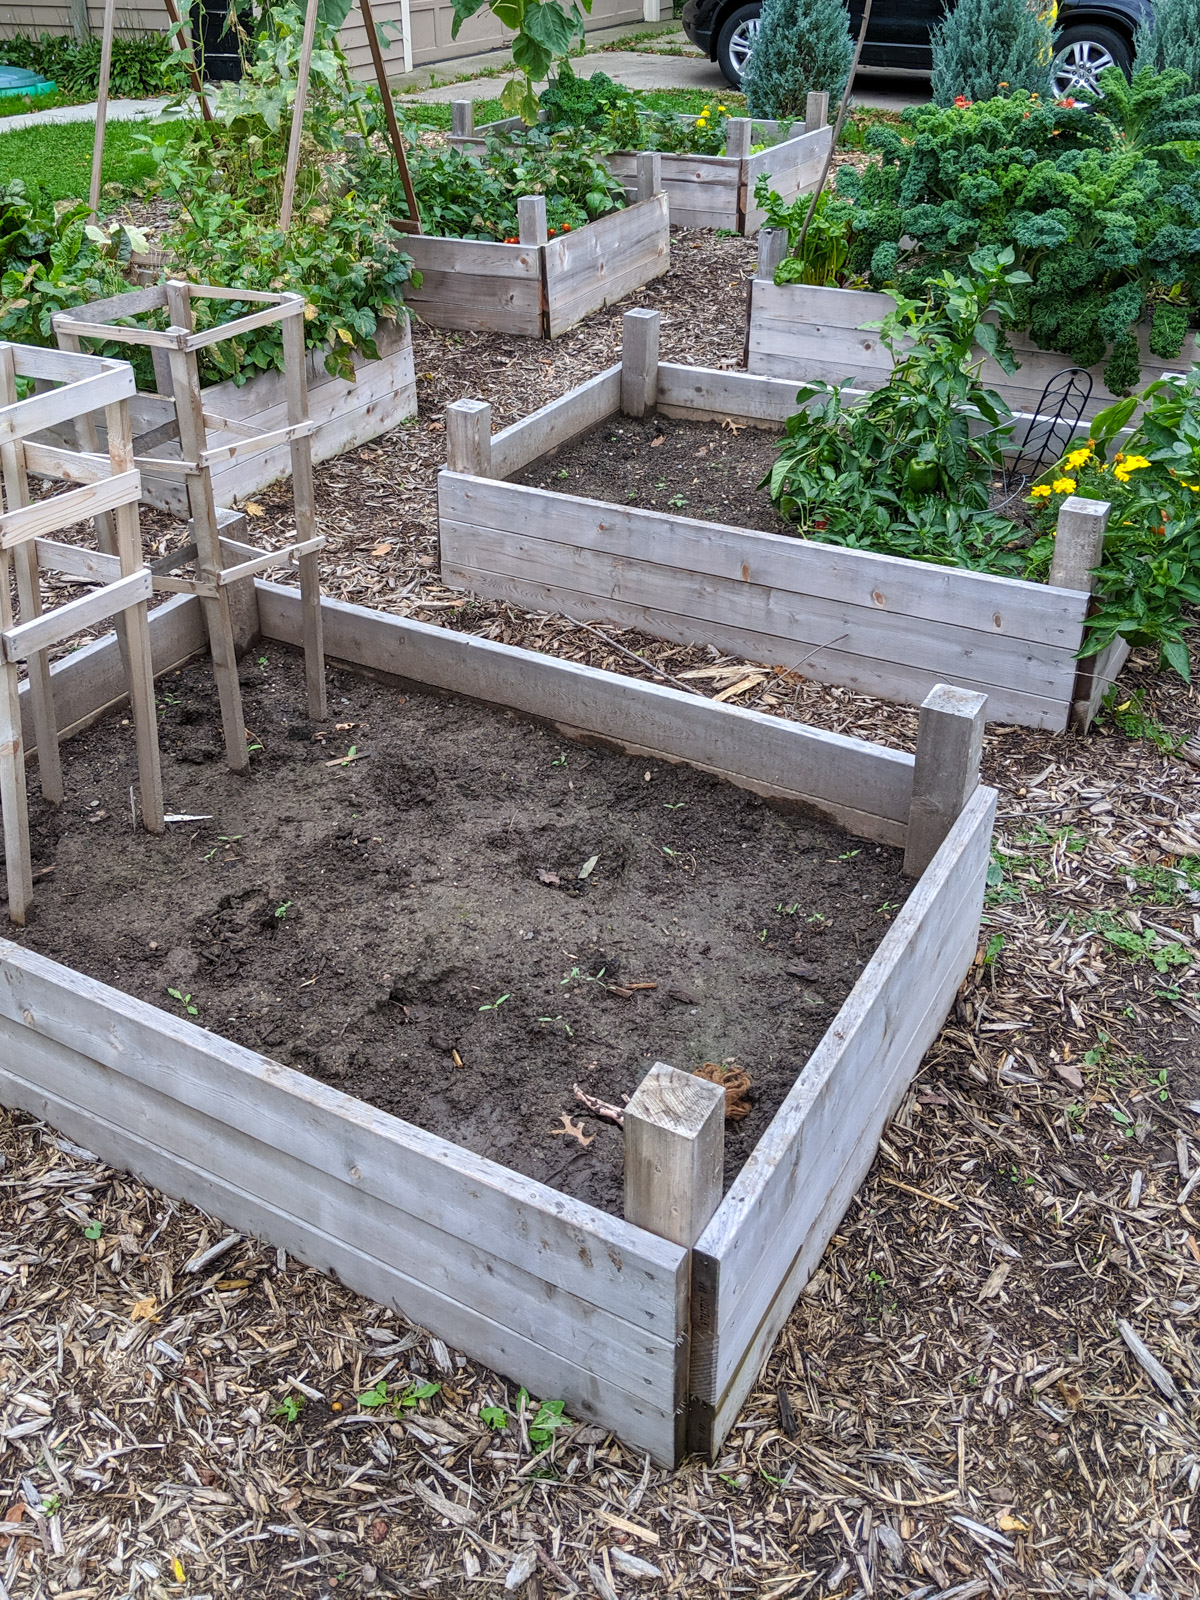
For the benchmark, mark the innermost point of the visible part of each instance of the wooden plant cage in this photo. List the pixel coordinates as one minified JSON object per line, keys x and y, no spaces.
{"x":710,"y":191}
{"x":71,"y":389}
{"x":656,"y":1337}
{"x":878,"y":624}
{"x":541,"y":287}
{"x":186,"y":431}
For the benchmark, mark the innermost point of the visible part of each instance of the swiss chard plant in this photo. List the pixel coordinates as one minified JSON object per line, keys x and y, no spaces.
{"x":907,"y":470}
{"x":1100,"y":206}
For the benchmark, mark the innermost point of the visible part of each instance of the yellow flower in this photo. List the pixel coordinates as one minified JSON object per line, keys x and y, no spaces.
{"x":1077,"y":457}
{"x":1128,"y":464}
{"x":720,"y":108}
{"x":1194,"y":487}
{"x":1063,"y":485}
{"x":1041,"y":492}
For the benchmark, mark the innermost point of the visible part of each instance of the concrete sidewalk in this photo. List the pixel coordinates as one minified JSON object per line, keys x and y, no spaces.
{"x":118,"y":111}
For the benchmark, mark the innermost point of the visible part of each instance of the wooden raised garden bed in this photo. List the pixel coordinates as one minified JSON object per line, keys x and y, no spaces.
{"x":343,"y":414}
{"x":654,"y":1325}
{"x":804,"y":333}
{"x":879,"y":624}
{"x":541,"y":287}
{"x":712,"y":191}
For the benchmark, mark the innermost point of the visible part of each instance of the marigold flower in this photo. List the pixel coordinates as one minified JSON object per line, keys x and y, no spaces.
{"x":1078,"y":457}
{"x":1040,"y":492}
{"x":1063,"y":485}
{"x":1194,"y":487}
{"x":961,"y":101}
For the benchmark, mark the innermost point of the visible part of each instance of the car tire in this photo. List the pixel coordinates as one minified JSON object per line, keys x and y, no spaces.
{"x":736,"y":40}
{"x":1082,"y":52}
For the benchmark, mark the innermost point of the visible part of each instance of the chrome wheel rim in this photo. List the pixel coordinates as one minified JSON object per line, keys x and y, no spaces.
{"x":741,"y":43}
{"x":1077,"y":68}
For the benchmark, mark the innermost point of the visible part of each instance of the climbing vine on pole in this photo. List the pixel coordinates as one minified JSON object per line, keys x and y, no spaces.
{"x":545,"y":32}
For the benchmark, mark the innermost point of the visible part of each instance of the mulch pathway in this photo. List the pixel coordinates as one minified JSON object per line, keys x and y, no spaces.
{"x":988,"y":1387}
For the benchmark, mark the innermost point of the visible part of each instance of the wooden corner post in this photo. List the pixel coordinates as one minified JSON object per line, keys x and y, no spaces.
{"x":738,"y":132}
{"x":816,"y":110}
{"x":946,"y":774}
{"x":469,"y":437}
{"x":649,"y":174}
{"x":1078,"y":542}
{"x":462,"y":118}
{"x":772,"y":247}
{"x":674,"y":1154}
{"x":531,"y":219}
{"x":639,"y":362}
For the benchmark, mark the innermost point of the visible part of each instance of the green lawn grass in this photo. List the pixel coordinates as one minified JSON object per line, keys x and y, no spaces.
{"x":691,"y":102}
{"x":59,"y":155}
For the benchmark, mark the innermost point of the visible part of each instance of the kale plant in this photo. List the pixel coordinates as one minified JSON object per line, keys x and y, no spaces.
{"x":1100,"y":206}
{"x":907,"y":470}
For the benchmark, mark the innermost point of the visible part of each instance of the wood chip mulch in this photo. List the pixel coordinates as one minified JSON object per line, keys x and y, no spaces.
{"x":988,"y":1388}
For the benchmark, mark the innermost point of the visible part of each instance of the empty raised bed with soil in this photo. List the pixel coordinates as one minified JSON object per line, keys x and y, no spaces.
{"x":564,"y":512}
{"x":409,"y":909}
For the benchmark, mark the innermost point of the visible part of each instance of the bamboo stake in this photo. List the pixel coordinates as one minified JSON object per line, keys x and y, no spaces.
{"x":193,"y":71}
{"x":293,"y":156}
{"x":110,"y":17}
{"x":389,"y":111}
{"x":837,"y":128}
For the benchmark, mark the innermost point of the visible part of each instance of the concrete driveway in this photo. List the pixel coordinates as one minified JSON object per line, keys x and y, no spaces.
{"x":672,"y":63}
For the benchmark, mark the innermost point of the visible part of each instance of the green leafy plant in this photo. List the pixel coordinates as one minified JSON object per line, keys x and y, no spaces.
{"x":983,"y":48}
{"x":1150,"y":573}
{"x":545,"y":32}
{"x":140,"y":66}
{"x":1099,"y":205}
{"x":802,"y":45}
{"x":494,"y":1417}
{"x":823,"y":258}
{"x":549,"y":1416}
{"x":290,"y":1407}
{"x":94,"y":1230}
{"x":380,"y":1397}
{"x":901,"y":471}
{"x":186,"y":1001}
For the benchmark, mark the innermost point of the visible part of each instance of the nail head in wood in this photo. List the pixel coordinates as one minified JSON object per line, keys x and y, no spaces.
{"x":531,"y":219}
{"x":674,"y":1153}
{"x":816,"y":110}
{"x":946,"y":772}
{"x":738,"y":131}
{"x":462,"y":118}
{"x":649,"y":174}
{"x":639,"y":362}
{"x":1078,"y":542}
{"x":772,"y":247}
{"x":469,"y":437}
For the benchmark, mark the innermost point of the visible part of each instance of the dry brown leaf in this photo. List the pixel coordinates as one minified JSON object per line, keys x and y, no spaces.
{"x":574,"y":1130}
{"x":145,"y":1310}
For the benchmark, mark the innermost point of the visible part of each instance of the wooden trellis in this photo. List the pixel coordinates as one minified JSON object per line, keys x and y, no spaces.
{"x":107,"y":490}
{"x":175,"y":351}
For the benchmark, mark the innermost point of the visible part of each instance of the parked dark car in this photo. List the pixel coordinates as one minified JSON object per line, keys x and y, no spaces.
{"x":1089,"y":35}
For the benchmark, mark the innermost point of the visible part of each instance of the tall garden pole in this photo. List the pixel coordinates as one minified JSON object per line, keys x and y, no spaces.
{"x":189,"y":49}
{"x":837,"y":127}
{"x":293,"y":155}
{"x":389,"y":111}
{"x":110,"y":17}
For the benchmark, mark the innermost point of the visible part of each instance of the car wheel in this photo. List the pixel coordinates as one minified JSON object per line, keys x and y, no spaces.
{"x":1081,"y":55}
{"x":736,"y":40}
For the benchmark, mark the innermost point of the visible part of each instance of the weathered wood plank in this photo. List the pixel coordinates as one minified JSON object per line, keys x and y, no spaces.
{"x":767,"y":754}
{"x":775,"y":1221}
{"x":379,"y":1157}
{"x":196,"y":1159}
{"x":554,"y":424}
{"x":1096,"y":676}
{"x":1003,"y":607}
{"x":52,"y":627}
{"x":822,"y":661}
{"x":791,"y":624}
{"x":806,"y":333}
{"x":91,"y":680}
{"x":594,"y":266}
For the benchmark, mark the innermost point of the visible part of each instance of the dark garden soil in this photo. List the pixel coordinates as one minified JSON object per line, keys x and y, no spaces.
{"x":464,"y":921}
{"x":707,"y":470}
